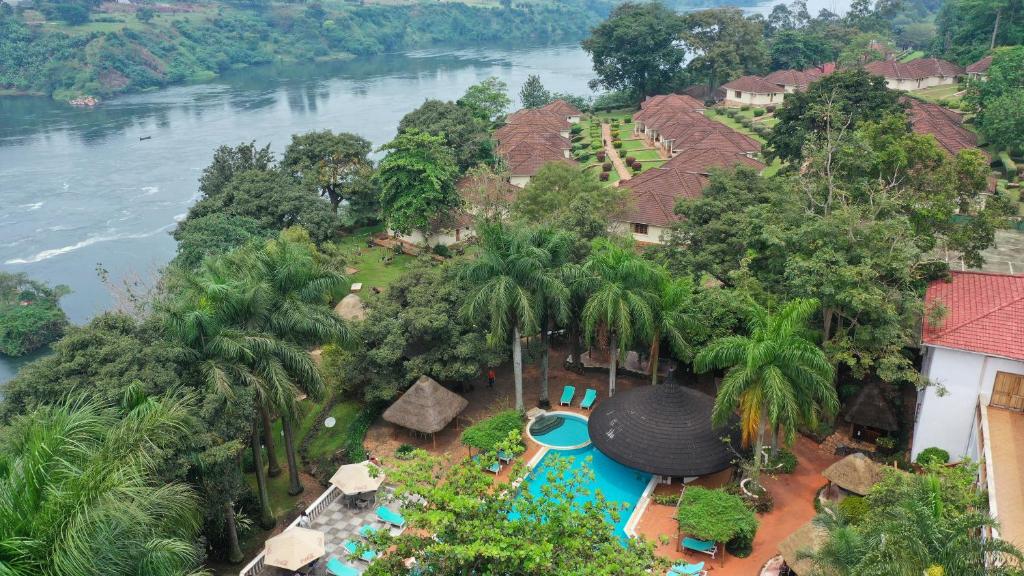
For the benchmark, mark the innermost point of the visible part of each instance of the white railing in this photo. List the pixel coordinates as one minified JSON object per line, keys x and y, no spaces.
{"x":319,"y":505}
{"x":640,"y":508}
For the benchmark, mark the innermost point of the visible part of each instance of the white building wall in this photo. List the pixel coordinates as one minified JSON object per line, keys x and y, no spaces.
{"x":908,"y":85}
{"x":655,"y":234}
{"x":446,"y":238}
{"x":520,"y":181}
{"x":947,"y":420}
{"x":752,"y":99}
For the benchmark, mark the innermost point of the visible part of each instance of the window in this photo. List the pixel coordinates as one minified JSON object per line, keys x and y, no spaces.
{"x":640,"y":229}
{"x":1008,"y":391}
{"x":737,"y":94}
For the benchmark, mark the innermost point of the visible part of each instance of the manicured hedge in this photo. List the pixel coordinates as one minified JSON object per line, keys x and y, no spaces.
{"x":487,"y":433}
{"x":715,"y":515}
{"x":1009,"y":166}
{"x":604,"y":176}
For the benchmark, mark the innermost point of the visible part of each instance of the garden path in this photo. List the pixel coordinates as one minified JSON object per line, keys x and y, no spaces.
{"x":613,"y":154}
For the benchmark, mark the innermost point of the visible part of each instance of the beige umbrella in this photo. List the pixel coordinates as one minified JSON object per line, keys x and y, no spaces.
{"x":294,"y":548}
{"x":358,"y":478}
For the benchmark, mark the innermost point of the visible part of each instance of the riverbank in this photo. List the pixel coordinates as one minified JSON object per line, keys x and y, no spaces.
{"x":118,"y":53}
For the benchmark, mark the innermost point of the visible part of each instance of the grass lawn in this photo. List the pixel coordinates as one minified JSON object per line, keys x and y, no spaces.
{"x":936,"y":93}
{"x":633,"y":144}
{"x":772,"y":168}
{"x":618,"y":114}
{"x":912,"y":56}
{"x":645,"y":154}
{"x":731,"y":123}
{"x":372,"y":272}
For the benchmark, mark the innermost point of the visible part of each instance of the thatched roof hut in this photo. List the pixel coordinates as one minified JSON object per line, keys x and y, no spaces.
{"x":871,"y":407}
{"x":426,"y":407}
{"x":351,"y":308}
{"x":806,"y":539}
{"x":856,"y":473}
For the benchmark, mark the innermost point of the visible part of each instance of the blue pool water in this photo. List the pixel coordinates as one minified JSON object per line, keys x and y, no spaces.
{"x":617,"y":483}
{"x":572,"y":432}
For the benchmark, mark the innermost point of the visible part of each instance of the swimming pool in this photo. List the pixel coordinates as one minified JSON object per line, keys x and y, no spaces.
{"x":572,"y":433}
{"x":616,"y":483}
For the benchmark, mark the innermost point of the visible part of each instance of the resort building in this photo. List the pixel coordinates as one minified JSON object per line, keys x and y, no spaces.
{"x":540,"y":120}
{"x":674,"y":123}
{"x":979,"y":69}
{"x":462,"y":228}
{"x":973,"y":359}
{"x":654,"y":193}
{"x":753,"y":91}
{"x":916,"y":74}
{"x":942,"y":123}
{"x":563,"y":109}
{"x":528,"y":156}
{"x":793,"y":80}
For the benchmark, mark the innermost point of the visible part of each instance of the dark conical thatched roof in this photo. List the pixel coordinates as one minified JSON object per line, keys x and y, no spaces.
{"x":871,"y":408}
{"x":425,"y":407}
{"x":663,"y":430}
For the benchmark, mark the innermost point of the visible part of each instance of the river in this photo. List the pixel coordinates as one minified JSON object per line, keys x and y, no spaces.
{"x":81,"y":190}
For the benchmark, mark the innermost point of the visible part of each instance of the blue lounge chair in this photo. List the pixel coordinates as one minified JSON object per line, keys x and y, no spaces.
{"x":389,"y":516}
{"x":702,"y":546}
{"x":351,"y":547}
{"x":336,"y":568}
{"x":505,"y":456}
{"x":688,"y":570}
{"x":589,"y":397}
{"x":367,"y":530}
{"x":567,"y":393}
{"x":494,"y":467}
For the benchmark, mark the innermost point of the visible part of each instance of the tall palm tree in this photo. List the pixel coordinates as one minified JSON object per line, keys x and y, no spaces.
{"x":775,"y":376}
{"x":673,"y":317}
{"x":78,"y":493}
{"x":505,"y":281}
{"x":553,"y":296}
{"x":621,"y":303}
{"x":300,"y":289}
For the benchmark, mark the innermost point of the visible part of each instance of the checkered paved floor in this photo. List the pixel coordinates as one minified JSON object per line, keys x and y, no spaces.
{"x":339,"y":523}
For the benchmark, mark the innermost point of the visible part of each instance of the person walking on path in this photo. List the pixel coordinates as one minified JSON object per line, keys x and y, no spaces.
{"x":490,"y":378}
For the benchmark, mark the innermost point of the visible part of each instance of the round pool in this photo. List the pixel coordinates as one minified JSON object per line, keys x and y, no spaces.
{"x":560,"y":430}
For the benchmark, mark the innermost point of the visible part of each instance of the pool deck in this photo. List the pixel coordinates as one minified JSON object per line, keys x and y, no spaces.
{"x":793,"y":493}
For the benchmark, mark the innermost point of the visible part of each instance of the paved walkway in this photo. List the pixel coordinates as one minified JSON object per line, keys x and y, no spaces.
{"x":1005,"y":257}
{"x":613,"y":154}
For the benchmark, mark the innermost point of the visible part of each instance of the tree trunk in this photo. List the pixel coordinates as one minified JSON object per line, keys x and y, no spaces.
{"x":826,"y":326}
{"x":995,"y":29}
{"x":755,"y":469}
{"x":545,"y":340}
{"x":613,"y":359}
{"x":776,"y":440}
{"x":234,"y":550}
{"x":577,"y":348}
{"x":517,"y":367}
{"x":273,"y":466}
{"x":655,"y":355}
{"x":294,"y":486}
{"x":266,"y":515}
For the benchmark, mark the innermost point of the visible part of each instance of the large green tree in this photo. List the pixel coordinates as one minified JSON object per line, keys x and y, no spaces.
{"x":230,"y":160}
{"x":461,"y":127}
{"x":967,"y":29}
{"x":417,"y":182}
{"x":488,"y":100}
{"x":329,"y":163}
{"x":1000,"y":101}
{"x":214,"y":234}
{"x":725,"y":44}
{"x":78,"y":493}
{"x":637,"y":49}
{"x":675,"y":319}
{"x":563,"y":196}
{"x":533,"y":94}
{"x":776,"y":377}
{"x":30,"y":313}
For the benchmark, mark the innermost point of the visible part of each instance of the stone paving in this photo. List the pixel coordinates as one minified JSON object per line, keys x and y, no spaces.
{"x":1006,"y":257}
{"x":340,"y":523}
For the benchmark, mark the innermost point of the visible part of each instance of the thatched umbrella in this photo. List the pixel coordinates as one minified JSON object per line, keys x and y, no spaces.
{"x":806,"y":539}
{"x":351,"y":308}
{"x":871,"y":409}
{"x":294,"y":548}
{"x":856,"y":473}
{"x":426,"y":407}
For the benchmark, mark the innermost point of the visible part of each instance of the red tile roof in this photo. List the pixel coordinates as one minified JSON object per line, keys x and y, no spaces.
{"x":561,"y":107}
{"x":703,"y":160}
{"x":915,"y":69}
{"x":798,"y":78}
{"x":980,"y":67}
{"x":985,"y":314}
{"x":654,"y":193}
{"x":682,"y":101}
{"x":510,"y":139}
{"x":754,"y":84}
{"x":945,"y":125}
{"x":537,"y":116}
{"x":527,"y":157}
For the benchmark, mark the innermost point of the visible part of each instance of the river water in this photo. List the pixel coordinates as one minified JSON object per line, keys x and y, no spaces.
{"x":81,"y":190}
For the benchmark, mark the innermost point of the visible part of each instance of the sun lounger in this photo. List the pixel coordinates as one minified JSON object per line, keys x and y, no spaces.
{"x":389,"y":516}
{"x":567,"y":393}
{"x":588,"y":399}
{"x":504,"y":456}
{"x":336,"y":568}
{"x":702,"y":546}
{"x":688,"y":570}
{"x":351,"y":547}
{"x":367,"y":530}
{"x":493,"y":468}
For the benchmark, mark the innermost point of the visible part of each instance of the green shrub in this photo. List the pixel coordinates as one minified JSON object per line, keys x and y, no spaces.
{"x":745,"y":107}
{"x":442,"y":251}
{"x":577,"y":138}
{"x":617,"y":144}
{"x":715,"y":515}
{"x":740,"y":546}
{"x":404,"y":452}
{"x":576,"y":129}
{"x":595,"y":146}
{"x":627,"y":120}
{"x":886,"y":443}
{"x":30,"y":314}
{"x":583,"y":156}
{"x":1009,"y":166}
{"x":604,"y":176}
{"x":758,"y":112}
{"x":932,"y":455}
{"x":486,"y":434}
{"x":854,"y":508}
{"x":784,"y":462}
{"x":616,"y":133}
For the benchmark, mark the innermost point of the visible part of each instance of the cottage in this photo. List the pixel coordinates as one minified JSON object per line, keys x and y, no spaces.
{"x":527,"y":157}
{"x":564,"y":109}
{"x":754,"y":91}
{"x":916,"y":74}
{"x":463,"y":226}
{"x":793,"y":80}
{"x":942,"y":123}
{"x":979,"y":69}
{"x":538,"y":119}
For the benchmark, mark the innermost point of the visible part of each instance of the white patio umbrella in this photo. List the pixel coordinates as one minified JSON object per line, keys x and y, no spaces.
{"x":294,"y":548}
{"x":354,"y":479}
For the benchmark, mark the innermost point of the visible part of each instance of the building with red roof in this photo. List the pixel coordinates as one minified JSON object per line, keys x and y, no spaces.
{"x":973,"y":353}
{"x":793,"y":80}
{"x":979,"y":69}
{"x":753,"y":91}
{"x":916,"y":74}
{"x":942,"y":123}
{"x":562,"y":108}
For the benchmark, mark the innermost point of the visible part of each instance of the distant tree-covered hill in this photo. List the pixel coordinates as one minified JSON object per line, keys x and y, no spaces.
{"x":49,"y":48}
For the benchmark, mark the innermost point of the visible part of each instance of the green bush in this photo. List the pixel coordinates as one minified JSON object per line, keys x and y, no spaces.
{"x":745,"y":107}
{"x":595,"y":146}
{"x":486,"y":434}
{"x":784,"y":462}
{"x":583,"y":156}
{"x":932,"y":455}
{"x":854,"y":508}
{"x":715,"y":515}
{"x":576,"y":129}
{"x":740,"y":546}
{"x":442,"y":251}
{"x":1009,"y":166}
{"x":577,"y":138}
{"x":617,"y":144}
{"x":627,"y":120}
{"x":615,"y":133}
{"x":404,"y":452}
{"x":758,"y":112}
{"x":886,"y":444}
